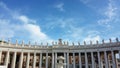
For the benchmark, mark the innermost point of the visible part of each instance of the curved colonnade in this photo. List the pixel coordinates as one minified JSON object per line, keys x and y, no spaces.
{"x":104,"y":55}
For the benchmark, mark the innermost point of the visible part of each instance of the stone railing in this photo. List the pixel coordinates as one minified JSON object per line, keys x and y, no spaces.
{"x":59,"y":44}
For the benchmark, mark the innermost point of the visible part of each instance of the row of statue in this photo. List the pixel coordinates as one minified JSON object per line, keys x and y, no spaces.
{"x":60,"y":42}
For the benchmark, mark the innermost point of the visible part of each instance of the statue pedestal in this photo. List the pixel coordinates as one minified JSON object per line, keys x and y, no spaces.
{"x":60,"y":63}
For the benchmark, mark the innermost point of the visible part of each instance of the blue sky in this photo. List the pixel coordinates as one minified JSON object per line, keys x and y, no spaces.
{"x":49,"y":20}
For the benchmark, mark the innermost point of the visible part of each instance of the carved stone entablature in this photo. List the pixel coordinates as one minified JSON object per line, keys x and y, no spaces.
{"x":60,"y":45}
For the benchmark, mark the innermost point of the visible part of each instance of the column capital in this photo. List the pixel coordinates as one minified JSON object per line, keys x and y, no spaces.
{"x":73,"y":52}
{"x":67,"y":52}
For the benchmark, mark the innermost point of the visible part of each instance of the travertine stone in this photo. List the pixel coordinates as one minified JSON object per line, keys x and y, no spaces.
{"x":93,"y":55}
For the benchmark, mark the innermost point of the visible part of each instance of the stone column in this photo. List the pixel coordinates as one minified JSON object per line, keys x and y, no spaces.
{"x":67,"y":59}
{"x":40,"y":63}
{"x":99,"y":59}
{"x":113,"y":60}
{"x":52,"y":60}
{"x":0,"y":56}
{"x":34,"y":61}
{"x":46,"y":59}
{"x":80,"y":63}
{"x":119,"y":54}
{"x":93,"y":66}
{"x":7,"y":59}
{"x":86,"y":60}
{"x":28,"y":60}
{"x":21,"y":60}
{"x":13,"y":60}
{"x":55,"y":60}
{"x":106,"y":59}
{"x":73,"y":60}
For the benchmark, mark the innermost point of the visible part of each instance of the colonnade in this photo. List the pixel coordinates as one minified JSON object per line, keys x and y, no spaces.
{"x":86,"y":56}
{"x":98,"y":59}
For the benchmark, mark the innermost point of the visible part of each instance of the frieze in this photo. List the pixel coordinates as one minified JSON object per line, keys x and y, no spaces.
{"x":61,"y":46}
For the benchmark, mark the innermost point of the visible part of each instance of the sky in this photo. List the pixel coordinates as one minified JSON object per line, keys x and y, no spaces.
{"x":49,"y":20}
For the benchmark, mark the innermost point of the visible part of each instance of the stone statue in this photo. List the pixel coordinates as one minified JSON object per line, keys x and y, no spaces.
{"x":59,"y":41}
{"x":117,"y":40}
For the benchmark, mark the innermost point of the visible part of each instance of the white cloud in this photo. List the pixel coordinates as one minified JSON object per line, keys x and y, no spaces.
{"x":35,"y":32}
{"x":5,"y":30}
{"x":110,"y":15}
{"x":110,"y":12}
{"x":26,"y":20}
{"x":92,"y":38}
{"x":76,"y":32}
{"x":3,"y":6}
{"x":60,"y":7}
{"x":85,"y":1}
{"x":62,"y":22}
{"x":82,"y":34}
{"x":23,"y":27}
{"x":68,"y":27}
{"x":72,"y":32}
